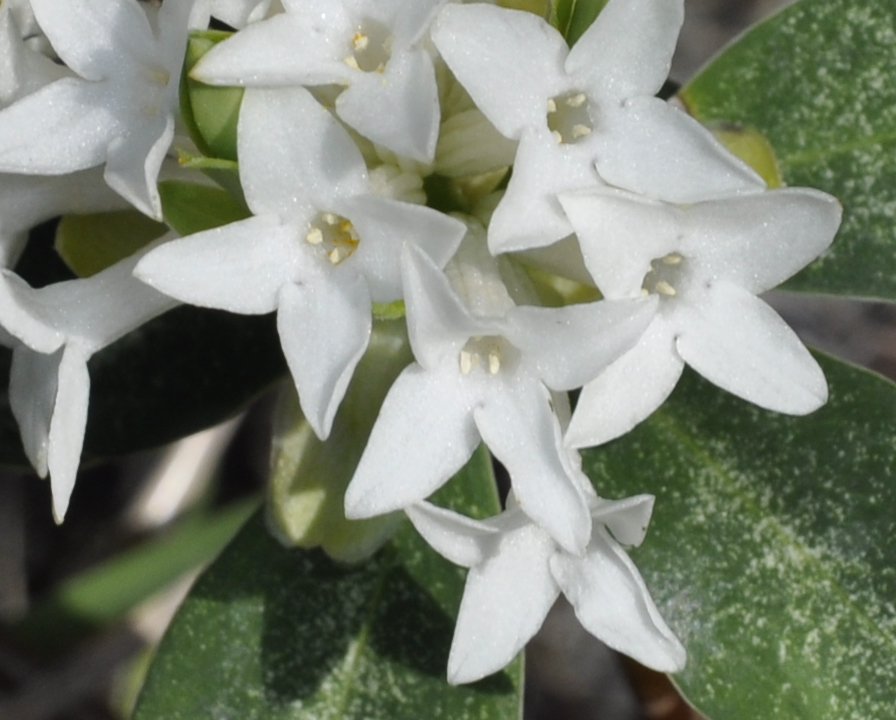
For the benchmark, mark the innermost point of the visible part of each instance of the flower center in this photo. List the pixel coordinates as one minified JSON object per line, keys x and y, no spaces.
{"x":570,"y":117}
{"x":334,"y":235}
{"x":664,"y":276}
{"x":487,"y":352}
{"x":371,"y":47}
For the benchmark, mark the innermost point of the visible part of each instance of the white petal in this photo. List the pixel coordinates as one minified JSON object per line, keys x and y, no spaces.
{"x":529,"y":215}
{"x":623,"y":62}
{"x":628,"y":391}
{"x":409,"y":21}
{"x":286,"y":49}
{"x":324,"y":327}
{"x":571,"y":345}
{"x":647,"y":146}
{"x":758,"y":241}
{"x":32,"y":395}
{"x":134,"y":160}
{"x":294,"y":154}
{"x":510,"y":61}
{"x":460,"y":539}
{"x":23,"y":315}
{"x":518,"y":425}
{"x":505,"y":602}
{"x":238,"y":267}
{"x":61,"y":128}
{"x":423,"y":435}
{"x":739,"y":343}
{"x":613,"y":604}
{"x":626,"y":519}
{"x":384,"y":227}
{"x":438,"y":322}
{"x":96,"y":38}
{"x":398,"y":108}
{"x":619,"y":234}
{"x":67,"y":427}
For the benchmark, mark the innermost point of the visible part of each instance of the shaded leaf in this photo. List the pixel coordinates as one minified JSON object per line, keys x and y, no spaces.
{"x":817,"y":81}
{"x":771,"y":548}
{"x":270,"y":633}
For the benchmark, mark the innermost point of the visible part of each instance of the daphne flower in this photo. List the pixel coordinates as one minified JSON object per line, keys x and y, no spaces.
{"x":583,"y":116}
{"x":371,"y":47}
{"x":706,"y":263}
{"x":517,"y":571}
{"x":119,"y":112}
{"x":486,"y":376}
{"x":320,"y":249}
{"x":55,"y":330}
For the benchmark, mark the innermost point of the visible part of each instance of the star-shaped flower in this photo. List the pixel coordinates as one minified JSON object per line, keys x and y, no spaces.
{"x":706,"y":262}
{"x":320,"y":249}
{"x":585,"y":116}
{"x":54,"y":331}
{"x":485,"y":375}
{"x":371,"y":47}
{"x":119,"y":112}
{"x":517,"y":571}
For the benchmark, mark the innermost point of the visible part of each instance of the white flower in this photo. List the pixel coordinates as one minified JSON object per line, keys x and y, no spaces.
{"x":485,"y":375}
{"x":517,"y":572}
{"x":583,"y":116}
{"x":236,"y":13}
{"x":320,"y":249}
{"x":54,"y":331}
{"x":120,"y":111}
{"x":371,"y":47}
{"x":706,"y":262}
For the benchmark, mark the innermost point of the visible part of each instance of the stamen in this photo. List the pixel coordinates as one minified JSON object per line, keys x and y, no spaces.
{"x":673,"y":259}
{"x":664,"y":288}
{"x":466,"y":362}
{"x":335,"y":235}
{"x":570,"y":117}
{"x":351,"y":62}
{"x":360,"y":41}
{"x":494,"y":363}
{"x":315,"y":236}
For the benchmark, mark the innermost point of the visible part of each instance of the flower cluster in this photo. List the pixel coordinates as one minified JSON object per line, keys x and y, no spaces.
{"x":563,"y":169}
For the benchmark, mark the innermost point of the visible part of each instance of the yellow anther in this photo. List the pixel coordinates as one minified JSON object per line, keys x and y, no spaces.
{"x":673,"y":259}
{"x":360,"y":41}
{"x":466,"y":362}
{"x":352,"y":62}
{"x":335,"y":256}
{"x":580,"y":131}
{"x":494,"y":363}
{"x":665,"y":288}
{"x":315,"y":236}
{"x":557,"y":136}
{"x":577,"y":100}
{"x":329,"y":218}
{"x":552,"y":106}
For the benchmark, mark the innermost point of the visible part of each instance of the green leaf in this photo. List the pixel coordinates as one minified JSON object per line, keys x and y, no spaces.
{"x":101,"y":595}
{"x":190,"y":208}
{"x":271,"y":633}
{"x":90,"y":243}
{"x":771,"y":548}
{"x":573,"y":17}
{"x":182,"y":372}
{"x":817,"y":82}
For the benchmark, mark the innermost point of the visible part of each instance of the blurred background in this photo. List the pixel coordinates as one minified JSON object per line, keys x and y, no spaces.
{"x":72,"y":647}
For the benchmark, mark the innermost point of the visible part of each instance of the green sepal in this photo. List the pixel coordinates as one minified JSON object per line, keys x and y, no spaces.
{"x":91,"y":243}
{"x":209,"y":112}
{"x":770,"y":552}
{"x":190,"y":208}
